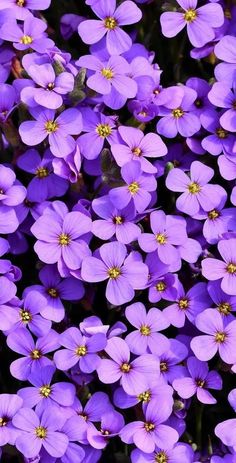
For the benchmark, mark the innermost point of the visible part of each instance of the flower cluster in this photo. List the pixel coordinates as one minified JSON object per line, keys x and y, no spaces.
{"x":118,"y":231}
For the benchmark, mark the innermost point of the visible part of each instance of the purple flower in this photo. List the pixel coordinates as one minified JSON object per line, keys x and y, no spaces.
{"x":30,"y":36}
{"x":199,"y":381}
{"x":40,"y":432}
{"x":9,"y":406}
{"x":196,"y":193}
{"x":132,"y":375}
{"x":148,"y":324}
{"x":97,"y":405}
{"x":53,"y":87}
{"x":168,"y":231}
{"x":124,"y":273}
{"x":110,"y":20}
{"x":220,"y":139}
{"x":34,"y":358}
{"x":170,"y":361}
{"x":224,"y":270}
{"x":11,"y":192}
{"x":150,"y":433}
{"x":226,"y":433}
{"x":137,"y":189}
{"x":59,"y":130}
{"x":79,"y":349}
{"x":225,"y":304}
{"x":219,"y":336}
{"x":59,"y":239}
{"x":110,"y":79}
{"x":20,"y":8}
{"x":99,"y":128}
{"x":118,"y":222}
{"x":179,"y":453}
{"x":225,"y":50}
{"x":138,"y":146}
{"x":158,"y":392}
{"x":7,"y":100}
{"x":188,"y":304}
{"x":54,"y":289}
{"x":111,"y":424}
{"x":8,"y":219}
{"x":44,"y":394}
{"x":222,"y":96}
{"x":178,"y":118}
{"x":200,"y":22}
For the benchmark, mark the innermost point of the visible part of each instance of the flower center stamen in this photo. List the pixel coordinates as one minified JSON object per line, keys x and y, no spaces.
{"x":3,"y":421}
{"x":110,"y":23}
{"x":107,"y":73}
{"x":163,"y":366}
{"x":41,"y":432}
{"x":81,"y":351}
{"x":149,"y":427}
{"x":114,"y":273}
{"x":125,"y":367}
{"x":118,"y":220}
{"x":26,"y":316}
{"x":145,"y":330}
{"x":51,"y":126}
{"x":200,"y":382}
{"x":64,"y":239}
{"x":231,"y":268}
{"x":20,"y":2}
{"x":42,"y":172}
{"x":161,"y":238}
{"x":178,"y":112}
{"x":220,"y":337}
{"x":103,"y":130}
{"x":221,"y":133}
{"x":190,"y":15}
{"x":133,"y":188}
{"x":183,"y":304}
{"x":45,"y":391}
{"x":35,"y":354}
{"x":144,"y":396}
{"x":161,"y":457}
{"x":194,"y":188}
{"x":50,"y":86}
{"x":161,"y":286}
{"x":214,"y":214}
{"x":52,"y":292}
{"x":26,"y":40}
{"x":137,"y":151}
{"x":225,"y":308}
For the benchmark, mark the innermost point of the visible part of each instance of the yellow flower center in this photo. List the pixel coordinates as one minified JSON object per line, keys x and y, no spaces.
{"x":163,"y":366}
{"x":26,"y":40}
{"x":103,"y":130}
{"x":125,"y":368}
{"x":220,"y":337}
{"x":118,"y":220}
{"x":42,"y":172}
{"x":161,"y":286}
{"x":227,"y":13}
{"x":45,"y":391}
{"x":144,"y":396}
{"x":178,"y":112}
{"x":225,"y":308}
{"x":133,"y":188}
{"x":107,"y":73}
{"x":214,"y":214}
{"x":81,"y":351}
{"x":161,"y":457}
{"x":51,"y":126}
{"x":145,"y":330}
{"x":137,"y":151}
{"x":50,"y":86}
{"x":35,"y":354}
{"x":104,"y":432}
{"x":3,"y":421}
{"x":64,"y":239}
{"x":231,"y":268}
{"x":149,"y":427}
{"x":190,"y":15}
{"x":110,"y":23}
{"x":200,"y":382}
{"x":20,"y":2}
{"x":194,"y":188}
{"x":52,"y":292}
{"x":221,"y":133}
{"x":26,"y":316}
{"x":161,"y":238}
{"x":41,"y":432}
{"x":183,"y":303}
{"x":114,"y":273}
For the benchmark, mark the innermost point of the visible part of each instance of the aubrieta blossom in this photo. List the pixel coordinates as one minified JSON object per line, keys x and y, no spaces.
{"x":138,"y":146}
{"x":109,"y":22}
{"x":137,"y":189}
{"x":223,"y":270}
{"x":111,"y":425}
{"x":198,"y":382}
{"x":20,"y":8}
{"x":200,"y":22}
{"x":60,"y":238}
{"x":12,"y":193}
{"x":9,"y":406}
{"x":225,"y":50}
{"x":124,"y":273}
{"x":174,"y":454}
{"x":59,"y":130}
{"x":225,"y":304}
{"x":222,"y":96}
{"x":220,"y":337}
{"x":219,"y":140}
{"x":52,"y":87}
{"x":7,"y":100}
{"x":110,"y":78}
{"x":196,"y":192}
{"x":226,"y":430}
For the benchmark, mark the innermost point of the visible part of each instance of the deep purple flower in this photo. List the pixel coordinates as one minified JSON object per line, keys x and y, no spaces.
{"x":124,"y":273}
{"x":9,"y":406}
{"x":30,"y":36}
{"x":118,"y":222}
{"x":224,"y":270}
{"x":170,"y":361}
{"x":147,"y":325}
{"x":220,"y":139}
{"x":132,"y":375}
{"x":79,"y":349}
{"x":196,"y":193}
{"x":222,"y":96}
{"x":59,"y":130}
{"x":168,"y":231}
{"x":225,"y":304}
{"x":110,"y":20}
{"x":111,"y":424}
{"x":137,"y":146}
{"x":34,"y":358}
{"x":7,"y":100}
{"x":59,"y":238}
{"x":200,"y":22}
{"x":11,"y":192}
{"x":219,"y":336}
{"x":198,"y":382}
{"x":40,"y":432}
{"x":150,"y":433}
{"x":52,"y":87}
{"x":96,"y":406}
{"x":137,"y":189}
